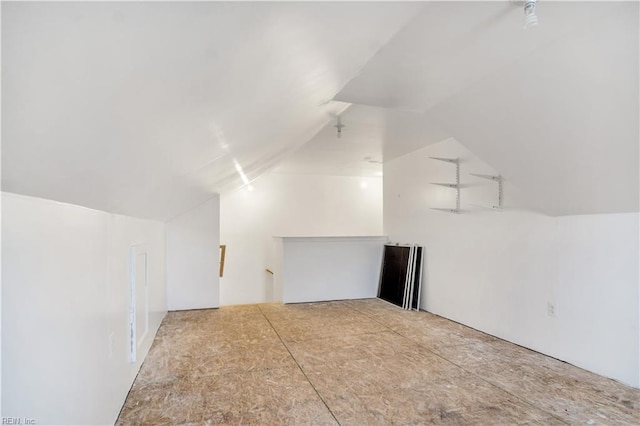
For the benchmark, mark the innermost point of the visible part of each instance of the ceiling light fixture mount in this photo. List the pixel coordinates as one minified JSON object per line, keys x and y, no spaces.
{"x":530,"y":17}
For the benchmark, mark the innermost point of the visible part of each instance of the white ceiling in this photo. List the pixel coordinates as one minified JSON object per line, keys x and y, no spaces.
{"x":370,"y":135}
{"x":554,"y":109}
{"x":449,"y":46}
{"x":147,"y":109}
{"x":563,"y":123}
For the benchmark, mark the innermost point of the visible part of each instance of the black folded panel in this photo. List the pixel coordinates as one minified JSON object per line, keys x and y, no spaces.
{"x":394,"y":272}
{"x":401,"y":274}
{"x":417,"y":279}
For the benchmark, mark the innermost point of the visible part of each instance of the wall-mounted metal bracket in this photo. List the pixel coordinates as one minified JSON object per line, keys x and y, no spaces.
{"x":499,"y":180}
{"x":448,"y":160}
{"x":445,"y":210}
{"x":448,"y":185}
{"x":455,"y":186}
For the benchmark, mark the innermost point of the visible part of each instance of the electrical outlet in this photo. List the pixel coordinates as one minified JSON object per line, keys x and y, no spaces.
{"x":551,"y":309}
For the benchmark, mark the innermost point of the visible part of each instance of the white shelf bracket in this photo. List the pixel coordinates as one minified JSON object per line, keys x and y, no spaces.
{"x":499,"y":180}
{"x":455,"y":186}
{"x":448,"y":160}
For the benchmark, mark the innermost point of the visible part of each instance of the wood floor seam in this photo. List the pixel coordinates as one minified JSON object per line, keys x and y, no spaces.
{"x":301,"y":369}
{"x":357,"y":362}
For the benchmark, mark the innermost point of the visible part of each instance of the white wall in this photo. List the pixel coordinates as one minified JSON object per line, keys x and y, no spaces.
{"x":65,"y":305}
{"x":193,"y":241}
{"x":330,"y":268}
{"x":288,"y":205}
{"x":498,"y":271}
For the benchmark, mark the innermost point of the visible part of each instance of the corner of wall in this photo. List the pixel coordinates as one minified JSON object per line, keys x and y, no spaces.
{"x":558,"y":285}
{"x":192,"y":247}
{"x":79,"y":288}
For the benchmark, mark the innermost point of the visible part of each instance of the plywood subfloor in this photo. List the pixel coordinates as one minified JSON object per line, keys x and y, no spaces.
{"x":357,"y":362}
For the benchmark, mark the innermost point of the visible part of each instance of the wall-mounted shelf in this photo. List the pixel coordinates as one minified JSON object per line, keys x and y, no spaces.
{"x":448,"y":160}
{"x":455,"y":186}
{"x":498,"y":179}
{"x":448,"y":185}
{"x":445,"y":210}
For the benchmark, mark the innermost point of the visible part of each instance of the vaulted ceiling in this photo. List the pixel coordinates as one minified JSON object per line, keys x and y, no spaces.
{"x":147,"y":109}
{"x":554,"y":109}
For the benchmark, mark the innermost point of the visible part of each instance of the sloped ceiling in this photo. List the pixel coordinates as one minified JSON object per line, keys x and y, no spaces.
{"x":563,"y":123}
{"x":147,"y":109}
{"x":371,"y":135}
{"x":554,"y":109}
